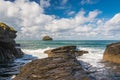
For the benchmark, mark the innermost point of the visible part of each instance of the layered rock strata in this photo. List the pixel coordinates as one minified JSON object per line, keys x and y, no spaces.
{"x":65,"y":50}
{"x":60,"y":65}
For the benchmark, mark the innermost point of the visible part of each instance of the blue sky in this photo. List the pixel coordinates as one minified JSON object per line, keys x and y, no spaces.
{"x":63,"y":19}
{"x":108,"y":7}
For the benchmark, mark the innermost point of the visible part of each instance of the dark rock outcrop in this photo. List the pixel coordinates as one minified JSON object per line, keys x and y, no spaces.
{"x":47,"y":38}
{"x":8,"y":49}
{"x":68,"y":50}
{"x":60,"y":66}
{"x":112,"y":53}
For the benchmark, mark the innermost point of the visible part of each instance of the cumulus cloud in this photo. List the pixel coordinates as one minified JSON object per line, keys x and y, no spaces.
{"x":80,"y":24}
{"x":27,"y":17}
{"x":112,"y":27}
{"x":29,"y":20}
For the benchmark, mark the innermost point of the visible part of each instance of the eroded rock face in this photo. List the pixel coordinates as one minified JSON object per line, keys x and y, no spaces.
{"x":112,"y":53}
{"x":65,"y":51}
{"x":8,"y":49}
{"x":56,"y":67}
{"x":47,"y":38}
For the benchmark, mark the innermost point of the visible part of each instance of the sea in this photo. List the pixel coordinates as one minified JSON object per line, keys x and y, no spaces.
{"x":91,"y":62}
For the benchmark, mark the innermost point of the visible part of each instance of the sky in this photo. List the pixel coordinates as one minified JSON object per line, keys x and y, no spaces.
{"x":63,"y":19}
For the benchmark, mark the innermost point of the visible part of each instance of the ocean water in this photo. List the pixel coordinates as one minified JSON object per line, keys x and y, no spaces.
{"x":95,"y":48}
{"x":91,"y":62}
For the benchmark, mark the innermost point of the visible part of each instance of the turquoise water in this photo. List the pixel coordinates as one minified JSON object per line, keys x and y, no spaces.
{"x":38,"y":44}
{"x":94,"y":47}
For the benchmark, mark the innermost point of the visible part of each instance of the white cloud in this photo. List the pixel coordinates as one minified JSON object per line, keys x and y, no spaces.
{"x":112,"y":26}
{"x":27,"y":17}
{"x":29,"y":20}
{"x":45,"y":3}
{"x":59,"y":25}
{"x":93,"y":14}
{"x":80,"y":24}
{"x":62,"y":5}
{"x":71,"y":13}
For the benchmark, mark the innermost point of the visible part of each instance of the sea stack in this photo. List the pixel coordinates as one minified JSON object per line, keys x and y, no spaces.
{"x":47,"y":38}
{"x":8,"y":47}
{"x":112,"y":53}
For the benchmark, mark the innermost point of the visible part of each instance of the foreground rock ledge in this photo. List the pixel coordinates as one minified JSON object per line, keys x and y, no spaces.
{"x":65,"y":67}
{"x":112,"y":53}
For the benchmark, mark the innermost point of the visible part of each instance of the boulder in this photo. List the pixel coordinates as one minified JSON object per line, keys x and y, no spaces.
{"x":47,"y":38}
{"x":112,"y":53}
{"x":61,"y":66}
{"x":65,"y":51}
{"x":8,"y":49}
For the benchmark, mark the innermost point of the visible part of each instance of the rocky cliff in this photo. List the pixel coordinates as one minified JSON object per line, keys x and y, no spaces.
{"x":8,"y":47}
{"x":60,"y":65}
{"x":112,"y":53}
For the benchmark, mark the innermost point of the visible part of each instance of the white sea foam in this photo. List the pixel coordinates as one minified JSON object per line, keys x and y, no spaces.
{"x":39,"y":53}
{"x":94,"y":56}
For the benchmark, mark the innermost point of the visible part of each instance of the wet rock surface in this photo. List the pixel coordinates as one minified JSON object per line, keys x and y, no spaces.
{"x":112,"y":53}
{"x":60,"y":66}
{"x":108,"y":71}
{"x":9,"y":50}
{"x":99,"y":70}
{"x":8,"y":71}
